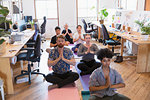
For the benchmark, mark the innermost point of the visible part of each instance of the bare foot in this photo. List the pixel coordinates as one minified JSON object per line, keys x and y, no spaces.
{"x":50,"y":87}
{"x":76,"y":50}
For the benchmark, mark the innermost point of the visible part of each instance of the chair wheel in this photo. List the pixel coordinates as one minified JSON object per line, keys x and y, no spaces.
{"x":100,"y":41}
{"x":29,"y":82}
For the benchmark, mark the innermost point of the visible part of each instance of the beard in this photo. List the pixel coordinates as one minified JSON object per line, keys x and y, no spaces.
{"x":60,"y":45}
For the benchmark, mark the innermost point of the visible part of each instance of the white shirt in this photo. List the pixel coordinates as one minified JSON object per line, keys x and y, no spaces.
{"x":76,"y":36}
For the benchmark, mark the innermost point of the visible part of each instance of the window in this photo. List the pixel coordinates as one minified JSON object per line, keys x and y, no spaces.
{"x":87,"y":8}
{"x":46,"y":8}
{"x":129,"y":4}
{"x":108,"y":4}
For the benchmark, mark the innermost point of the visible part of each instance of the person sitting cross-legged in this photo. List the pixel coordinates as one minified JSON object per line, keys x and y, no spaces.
{"x":68,"y":34}
{"x":60,"y":58}
{"x":78,"y":38}
{"x":104,"y":80}
{"x":88,"y":64}
{"x":54,"y":38}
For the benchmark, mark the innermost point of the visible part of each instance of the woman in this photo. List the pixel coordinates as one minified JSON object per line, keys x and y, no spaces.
{"x":87,"y":51}
{"x":104,"y":80}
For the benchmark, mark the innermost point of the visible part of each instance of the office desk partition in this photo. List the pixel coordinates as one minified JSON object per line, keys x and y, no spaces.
{"x":11,"y":51}
{"x":143,"y":55}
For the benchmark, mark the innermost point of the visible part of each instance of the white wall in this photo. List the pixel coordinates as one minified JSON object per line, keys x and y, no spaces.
{"x":140,"y":5}
{"x":28,"y":8}
{"x":67,"y":13}
{"x":50,"y":27}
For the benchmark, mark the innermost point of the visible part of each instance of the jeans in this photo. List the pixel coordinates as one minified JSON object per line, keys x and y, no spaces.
{"x":76,"y":46}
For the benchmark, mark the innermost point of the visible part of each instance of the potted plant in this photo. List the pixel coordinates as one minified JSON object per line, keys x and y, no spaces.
{"x":145,"y":29}
{"x":144,"y":26}
{"x":3,"y":14}
{"x":32,"y":24}
{"x":103,"y":14}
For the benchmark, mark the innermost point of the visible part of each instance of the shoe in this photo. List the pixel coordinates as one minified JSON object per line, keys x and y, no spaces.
{"x":119,"y":59}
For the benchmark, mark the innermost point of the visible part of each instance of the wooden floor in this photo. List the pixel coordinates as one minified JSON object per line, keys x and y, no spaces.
{"x":137,"y":85}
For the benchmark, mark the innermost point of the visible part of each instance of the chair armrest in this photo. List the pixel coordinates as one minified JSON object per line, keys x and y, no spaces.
{"x":28,"y":48}
{"x":30,"y":43}
{"x":89,"y":24}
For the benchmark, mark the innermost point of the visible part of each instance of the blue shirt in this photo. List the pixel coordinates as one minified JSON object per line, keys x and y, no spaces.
{"x":97,"y":79}
{"x":61,"y":67}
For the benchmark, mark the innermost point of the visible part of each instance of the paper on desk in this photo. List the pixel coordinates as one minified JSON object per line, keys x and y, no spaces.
{"x":18,"y":43}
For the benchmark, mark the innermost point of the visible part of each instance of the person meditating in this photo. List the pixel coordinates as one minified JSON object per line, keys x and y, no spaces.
{"x":68,"y":34}
{"x":104,"y":80}
{"x":88,"y":64}
{"x":60,"y":59}
{"x":78,"y":38}
{"x":53,"y":40}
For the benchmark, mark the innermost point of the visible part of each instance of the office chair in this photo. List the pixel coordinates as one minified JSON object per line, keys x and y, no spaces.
{"x":2,"y":89}
{"x":31,"y":42}
{"x":88,"y":28}
{"x":108,"y":40}
{"x":43,"y":28}
{"x":112,"y":42}
{"x":32,"y":55}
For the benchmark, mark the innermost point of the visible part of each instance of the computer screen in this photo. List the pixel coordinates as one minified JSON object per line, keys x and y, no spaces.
{"x":118,"y":26}
{"x":27,"y":18}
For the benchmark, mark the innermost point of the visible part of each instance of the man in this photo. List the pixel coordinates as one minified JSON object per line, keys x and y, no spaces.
{"x":68,"y":34}
{"x":87,"y":50}
{"x":104,"y":80}
{"x":78,"y":38}
{"x":60,"y":58}
{"x":53,"y":40}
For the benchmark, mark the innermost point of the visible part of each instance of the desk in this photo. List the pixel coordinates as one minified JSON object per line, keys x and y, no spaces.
{"x":5,"y":68}
{"x":143,"y":56}
{"x":97,"y":23}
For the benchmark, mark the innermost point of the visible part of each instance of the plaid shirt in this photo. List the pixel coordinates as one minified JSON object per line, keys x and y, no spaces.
{"x":61,"y":67}
{"x":97,"y":79}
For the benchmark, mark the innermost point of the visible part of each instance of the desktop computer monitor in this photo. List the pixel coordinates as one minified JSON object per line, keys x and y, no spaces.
{"x":118,"y":26}
{"x":27,"y":18}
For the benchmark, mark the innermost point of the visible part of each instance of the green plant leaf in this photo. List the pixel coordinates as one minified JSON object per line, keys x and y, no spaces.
{"x":1,"y":41}
{"x":4,"y":12}
{"x":144,"y":29}
{"x":103,"y":13}
{"x":93,"y":7}
{"x":8,"y":21}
